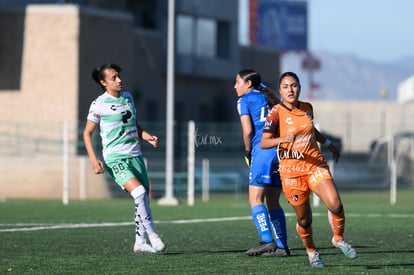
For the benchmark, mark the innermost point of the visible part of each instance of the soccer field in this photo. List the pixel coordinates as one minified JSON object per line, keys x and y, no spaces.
{"x":96,"y":237}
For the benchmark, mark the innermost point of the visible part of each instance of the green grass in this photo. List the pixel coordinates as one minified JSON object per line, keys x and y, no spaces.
{"x":382,"y":234}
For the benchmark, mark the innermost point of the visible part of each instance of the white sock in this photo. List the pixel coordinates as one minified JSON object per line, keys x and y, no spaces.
{"x":143,"y":217}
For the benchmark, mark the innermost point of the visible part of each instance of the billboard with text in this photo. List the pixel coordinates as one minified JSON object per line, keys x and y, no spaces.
{"x":277,"y":24}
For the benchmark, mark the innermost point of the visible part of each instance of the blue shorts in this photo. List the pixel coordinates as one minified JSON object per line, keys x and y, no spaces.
{"x":264,"y":168}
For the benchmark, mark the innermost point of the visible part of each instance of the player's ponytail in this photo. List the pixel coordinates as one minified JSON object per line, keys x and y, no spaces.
{"x":97,"y":75}
{"x":270,"y":95}
{"x":257,"y":84}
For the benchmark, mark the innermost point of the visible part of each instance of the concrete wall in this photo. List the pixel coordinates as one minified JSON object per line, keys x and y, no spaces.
{"x":48,"y":82}
{"x":358,"y":123}
{"x":45,"y":97}
{"x":41,"y":177}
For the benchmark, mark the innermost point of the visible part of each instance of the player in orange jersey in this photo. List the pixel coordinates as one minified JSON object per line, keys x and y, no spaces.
{"x":289,"y":127}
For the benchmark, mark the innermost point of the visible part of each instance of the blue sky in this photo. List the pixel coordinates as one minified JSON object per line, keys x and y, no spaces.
{"x":377,"y":30}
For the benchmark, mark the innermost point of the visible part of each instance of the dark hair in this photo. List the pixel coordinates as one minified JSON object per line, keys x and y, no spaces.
{"x":291,"y":74}
{"x":97,"y":73}
{"x":256,"y":80}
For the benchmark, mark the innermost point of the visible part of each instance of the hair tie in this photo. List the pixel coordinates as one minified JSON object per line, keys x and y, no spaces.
{"x":263,"y":85}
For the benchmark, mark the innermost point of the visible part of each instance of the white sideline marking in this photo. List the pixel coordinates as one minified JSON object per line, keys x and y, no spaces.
{"x":39,"y":226}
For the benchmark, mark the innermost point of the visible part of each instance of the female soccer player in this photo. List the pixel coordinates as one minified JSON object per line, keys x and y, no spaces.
{"x":252,"y":105}
{"x":115,"y":114}
{"x":289,"y":127}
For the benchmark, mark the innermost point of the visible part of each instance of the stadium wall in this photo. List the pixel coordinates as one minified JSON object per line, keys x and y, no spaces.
{"x":47,"y":94}
{"x":359,"y":123}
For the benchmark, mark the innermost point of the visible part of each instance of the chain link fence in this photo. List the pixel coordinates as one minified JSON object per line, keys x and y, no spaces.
{"x":219,"y":143}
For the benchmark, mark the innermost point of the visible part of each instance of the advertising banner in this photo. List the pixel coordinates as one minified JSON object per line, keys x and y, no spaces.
{"x":281,"y":25}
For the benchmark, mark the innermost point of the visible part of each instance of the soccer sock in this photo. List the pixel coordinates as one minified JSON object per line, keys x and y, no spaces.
{"x":148,"y":222}
{"x":277,"y":216}
{"x":337,"y":222}
{"x":261,"y":220}
{"x":307,"y":237}
{"x":143,"y":218}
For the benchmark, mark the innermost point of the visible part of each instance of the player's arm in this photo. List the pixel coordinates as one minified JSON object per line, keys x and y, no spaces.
{"x":271,"y":137}
{"x":247,"y":129}
{"x":319,"y":137}
{"x":144,"y":135}
{"x":270,"y":140}
{"x":97,"y":165}
{"x":336,"y":154}
{"x":247,"y":132}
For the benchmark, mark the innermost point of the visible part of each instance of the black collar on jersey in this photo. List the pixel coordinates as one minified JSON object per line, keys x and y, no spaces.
{"x":297,"y":106}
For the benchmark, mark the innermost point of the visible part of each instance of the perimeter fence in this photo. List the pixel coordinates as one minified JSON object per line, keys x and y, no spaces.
{"x":219,"y":158}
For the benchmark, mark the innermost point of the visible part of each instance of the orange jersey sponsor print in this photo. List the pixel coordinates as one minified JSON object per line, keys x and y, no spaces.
{"x":303,"y":155}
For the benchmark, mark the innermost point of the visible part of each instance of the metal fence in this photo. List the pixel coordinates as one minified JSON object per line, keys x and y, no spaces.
{"x":221,"y":144}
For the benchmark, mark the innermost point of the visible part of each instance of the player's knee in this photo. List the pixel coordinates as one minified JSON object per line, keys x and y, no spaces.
{"x":305,"y":223}
{"x":338,"y":210}
{"x":273,"y":204}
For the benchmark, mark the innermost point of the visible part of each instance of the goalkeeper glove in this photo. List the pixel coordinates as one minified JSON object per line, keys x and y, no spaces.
{"x":248,"y":158}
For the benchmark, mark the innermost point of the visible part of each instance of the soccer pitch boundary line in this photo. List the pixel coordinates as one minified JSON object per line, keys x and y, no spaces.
{"x":47,"y":226}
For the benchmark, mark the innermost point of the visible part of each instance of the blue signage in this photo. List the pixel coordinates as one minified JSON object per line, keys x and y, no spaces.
{"x":282,"y":25}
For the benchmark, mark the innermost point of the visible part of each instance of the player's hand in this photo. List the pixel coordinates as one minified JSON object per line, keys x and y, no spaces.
{"x":98,"y":167}
{"x":336,"y":154}
{"x":248,"y":158}
{"x":288,"y":138}
{"x":154,"y":141}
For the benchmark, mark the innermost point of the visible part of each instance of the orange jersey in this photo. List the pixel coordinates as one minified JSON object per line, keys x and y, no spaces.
{"x":303,"y":156}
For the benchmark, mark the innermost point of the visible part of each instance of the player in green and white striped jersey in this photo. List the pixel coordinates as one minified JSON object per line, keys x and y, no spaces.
{"x":115,"y":114}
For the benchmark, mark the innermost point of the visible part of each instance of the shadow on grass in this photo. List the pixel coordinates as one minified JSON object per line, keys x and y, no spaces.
{"x":228,"y":251}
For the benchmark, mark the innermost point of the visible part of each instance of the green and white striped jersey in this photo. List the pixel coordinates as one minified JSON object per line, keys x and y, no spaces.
{"x":117,"y":125}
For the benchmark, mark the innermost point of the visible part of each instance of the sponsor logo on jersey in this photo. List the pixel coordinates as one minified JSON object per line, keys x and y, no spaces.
{"x":268,"y":125}
{"x":131,"y":132}
{"x":289,"y":154}
{"x":122,"y":175}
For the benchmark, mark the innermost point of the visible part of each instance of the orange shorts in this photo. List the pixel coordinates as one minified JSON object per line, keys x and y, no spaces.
{"x":297,"y":189}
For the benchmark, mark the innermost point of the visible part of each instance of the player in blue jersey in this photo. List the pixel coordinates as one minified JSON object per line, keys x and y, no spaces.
{"x":114,"y":113}
{"x":253,"y":104}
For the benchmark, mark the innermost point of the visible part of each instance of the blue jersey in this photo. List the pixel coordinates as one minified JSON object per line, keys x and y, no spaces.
{"x":264,"y":162}
{"x":254,"y":104}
